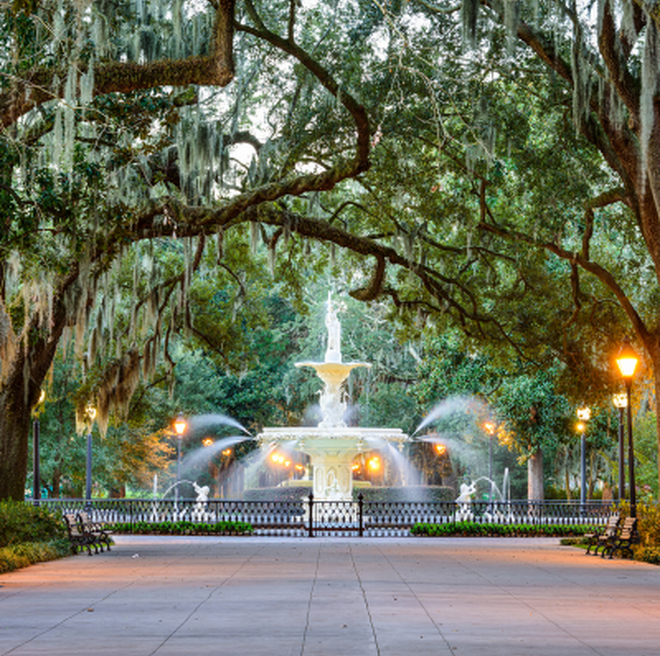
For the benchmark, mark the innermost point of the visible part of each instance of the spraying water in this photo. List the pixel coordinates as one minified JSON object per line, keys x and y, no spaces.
{"x":201,"y":422}
{"x":461,"y":405}
{"x":204,"y":454}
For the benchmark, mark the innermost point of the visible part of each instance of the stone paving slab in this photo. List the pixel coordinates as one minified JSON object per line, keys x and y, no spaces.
{"x":175,"y":596}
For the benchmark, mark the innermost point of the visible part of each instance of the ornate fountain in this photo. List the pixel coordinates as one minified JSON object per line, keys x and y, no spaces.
{"x":332,"y":445}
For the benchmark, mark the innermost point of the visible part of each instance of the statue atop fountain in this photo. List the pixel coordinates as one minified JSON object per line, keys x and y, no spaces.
{"x":332,"y":323}
{"x":332,"y":445}
{"x":333,"y":372}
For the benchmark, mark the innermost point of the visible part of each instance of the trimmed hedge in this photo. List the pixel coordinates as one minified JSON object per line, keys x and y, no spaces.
{"x":475,"y":529}
{"x":183,"y":528}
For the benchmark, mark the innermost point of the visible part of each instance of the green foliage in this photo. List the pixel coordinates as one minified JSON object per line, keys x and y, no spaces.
{"x":534,"y":411}
{"x":28,"y":553}
{"x":648,"y":523}
{"x":647,"y":554}
{"x":22,"y":522}
{"x":475,"y":529}
{"x":646,"y":455}
{"x":29,"y":535}
{"x":183,"y":528}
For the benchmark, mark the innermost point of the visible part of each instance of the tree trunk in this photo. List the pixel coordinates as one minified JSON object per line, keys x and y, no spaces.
{"x":535,"y":476}
{"x":57,"y":478}
{"x":14,"y":434}
{"x":20,"y":389}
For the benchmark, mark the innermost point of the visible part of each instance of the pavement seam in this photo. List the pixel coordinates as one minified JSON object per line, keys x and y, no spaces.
{"x":203,"y":601}
{"x":418,"y":600}
{"x":69,"y":618}
{"x":366,"y":601}
{"x":526,"y":603}
{"x":309,"y":603}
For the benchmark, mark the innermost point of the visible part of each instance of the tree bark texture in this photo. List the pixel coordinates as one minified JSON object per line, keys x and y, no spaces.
{"x":535,"y":491}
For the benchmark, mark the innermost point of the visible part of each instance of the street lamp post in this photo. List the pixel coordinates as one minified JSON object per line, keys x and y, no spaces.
{"x":489,"y":427}
{"x":627,"y":362}
{"x":584,"y":414}
{"x":620,"y":402}
{"x":36,"y":476}
{"x":90,"y":411}
{"x":180,"y":426}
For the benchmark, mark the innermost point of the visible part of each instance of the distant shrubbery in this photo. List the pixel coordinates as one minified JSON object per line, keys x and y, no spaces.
{"x":29,"y":535}
{"x":183,"y":528}
{"x":475,"y":529}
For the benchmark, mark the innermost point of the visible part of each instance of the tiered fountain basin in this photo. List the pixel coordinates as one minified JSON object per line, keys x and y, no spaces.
{"x":332,"y":446}
{"x":332,"y":452}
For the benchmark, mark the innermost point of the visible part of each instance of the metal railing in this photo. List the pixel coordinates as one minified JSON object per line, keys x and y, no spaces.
{"x":358,"y":518}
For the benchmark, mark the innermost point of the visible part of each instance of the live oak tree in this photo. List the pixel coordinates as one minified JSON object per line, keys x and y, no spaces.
{"x":116,"y":132}
{"x":125,"y":125}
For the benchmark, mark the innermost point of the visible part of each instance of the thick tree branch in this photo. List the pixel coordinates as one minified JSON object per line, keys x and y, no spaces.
{"x":627,"y":86}
{"x":597,"y":270}
{"x":216,"y":69}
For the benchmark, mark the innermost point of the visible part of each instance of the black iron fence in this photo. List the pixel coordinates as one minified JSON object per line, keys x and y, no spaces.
{"x":359,"y":518}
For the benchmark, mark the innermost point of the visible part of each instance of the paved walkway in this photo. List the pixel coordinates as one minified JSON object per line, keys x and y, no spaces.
{"x":332,"y":597}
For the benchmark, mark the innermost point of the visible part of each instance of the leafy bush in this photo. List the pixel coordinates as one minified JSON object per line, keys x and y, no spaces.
{"x":183,"y":528}
{"x":22,"y":522}
{"x":27,"y":553}
{"x":648,"y":525}
{"x":647,"y":554}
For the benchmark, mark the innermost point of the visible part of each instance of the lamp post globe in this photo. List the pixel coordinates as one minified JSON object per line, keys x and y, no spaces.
{"x":620,"y":402}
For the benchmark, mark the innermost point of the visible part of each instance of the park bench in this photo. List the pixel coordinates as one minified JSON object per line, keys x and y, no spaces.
{"x":99,"y":532}
{"x":78,"y":537}
{"x":600,"y":539}
{"x":85,"y":534}
{"x":624,"y":539}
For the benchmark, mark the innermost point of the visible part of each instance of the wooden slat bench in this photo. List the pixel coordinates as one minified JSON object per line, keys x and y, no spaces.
{"x":600,"y":539}
{"x":624,"y":539}
{"x":100,"y":534}
{"x":78,"y":537}
{"x":86,"y":534}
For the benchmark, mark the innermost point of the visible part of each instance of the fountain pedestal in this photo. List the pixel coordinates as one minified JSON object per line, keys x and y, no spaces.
{"x":332,"y":446}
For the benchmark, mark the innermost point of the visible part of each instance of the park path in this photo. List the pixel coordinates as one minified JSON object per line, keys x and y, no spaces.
{"x":332,"y":596}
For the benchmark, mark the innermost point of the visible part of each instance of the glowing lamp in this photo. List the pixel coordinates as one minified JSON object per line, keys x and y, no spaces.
{"x":180,"y":425}
{"x":620,"y":400}
{"x":584,"y":414}
{"x":627,"y":360}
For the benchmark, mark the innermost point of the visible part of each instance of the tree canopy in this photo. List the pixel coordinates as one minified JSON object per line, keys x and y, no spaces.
{"x":493,"y":165}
